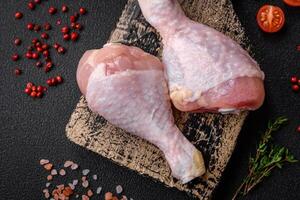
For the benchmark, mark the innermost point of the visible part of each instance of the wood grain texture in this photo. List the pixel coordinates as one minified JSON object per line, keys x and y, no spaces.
{"x":214,"y":134}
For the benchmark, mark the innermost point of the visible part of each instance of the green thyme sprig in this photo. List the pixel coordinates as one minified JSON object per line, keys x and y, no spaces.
{"x":268,"y":156}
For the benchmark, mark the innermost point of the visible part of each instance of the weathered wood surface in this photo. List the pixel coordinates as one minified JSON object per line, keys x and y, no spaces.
{"x":215,"y":135}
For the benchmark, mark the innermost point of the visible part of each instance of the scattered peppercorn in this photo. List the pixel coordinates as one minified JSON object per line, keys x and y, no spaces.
{"x":18,"y":15}
{"x":82,"y":11}
{"x":47,"y":26}
{"x":15,"y":57}
{"x":30,"y":26}
{"x":52,"y":10}
{"x":37,"y":28}
{"x":66,"y":37}
{"x":18,"y":41}
{"x":31,"y":5}
{"x":65,"y":29}
{"x":64,"y":8}
{"x":295,"y":88}
{"x":74,"y":36}
{"x":45,"y":36}
{"x":18,"y":72}
{"x":294,"y":79}
{"x":73,"y":18}
{"x":61,"y":50}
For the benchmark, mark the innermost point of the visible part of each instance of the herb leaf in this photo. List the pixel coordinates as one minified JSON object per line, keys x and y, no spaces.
{"x":268,"y":156}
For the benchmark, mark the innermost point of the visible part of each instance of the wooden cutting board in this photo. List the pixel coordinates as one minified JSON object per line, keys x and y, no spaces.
{"x":214,"y":134}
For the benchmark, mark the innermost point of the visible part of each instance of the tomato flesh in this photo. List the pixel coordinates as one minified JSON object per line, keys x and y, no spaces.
{"x":270,"y":18}
{"x":292,"y":2}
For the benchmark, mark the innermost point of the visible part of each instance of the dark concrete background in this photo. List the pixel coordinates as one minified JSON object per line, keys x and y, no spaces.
{"x":31,"y":130}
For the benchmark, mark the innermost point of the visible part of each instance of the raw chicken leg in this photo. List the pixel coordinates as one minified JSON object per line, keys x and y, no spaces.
{"x":206,"y":70}
{"x":127,"y":87}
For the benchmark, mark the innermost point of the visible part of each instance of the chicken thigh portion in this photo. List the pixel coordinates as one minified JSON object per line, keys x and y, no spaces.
{"x":127,"y":87}
{"x":206,"y":70}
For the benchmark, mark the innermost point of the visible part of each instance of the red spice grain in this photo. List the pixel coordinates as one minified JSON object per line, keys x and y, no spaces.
{"x":73,"y":18}
{"x":15,"y":57}
{"x":39,"y":64}
{"x":78,"y":26}
{"x":30,"y":26}
{"x":45,"y":46}
{"x":18,"y":15}
{"x":52,"y":10}
{"x":45,"y":36}
{"x":65,"y":29}
{"x":82,"y":11}
{"x":37,"y":28}
{"x":35,"y":55}
{"x":33,"y":94}
{"x":74,"y":36}
{"x":37,"y":1}
{"x":58,"y":22}
{"x":59,"y":79}
{"x":18,"y":41}
{"x":298,"y":129}
{"x":61,"y":50}
{"x":40,"y":49}
{"x":56,"y":45}
{"x":45,"y":53}
{"x":294,"y":79}
{"x":64,"y":8}
{"x":28,"y":55}
{"x":29,"y":85}
{"x":39,"y":94}
{"x":40,"y":88}
{"x":34,"y":41}
{"x":47,"y":26}
{"x":34,"y":88}
{"x":27,"y":91}
{"x":295,"y":88}
{"x":66,"y":37}
{"x":31,"y":5}
{"x":18,"y":71}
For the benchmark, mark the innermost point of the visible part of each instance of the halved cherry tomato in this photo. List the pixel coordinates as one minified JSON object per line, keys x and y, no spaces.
{"x":270,"y":18}
{"x":292,"y":2}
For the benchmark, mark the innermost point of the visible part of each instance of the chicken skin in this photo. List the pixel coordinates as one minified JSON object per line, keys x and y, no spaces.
{"x":128,"y":88}
{"x":206,"y":70}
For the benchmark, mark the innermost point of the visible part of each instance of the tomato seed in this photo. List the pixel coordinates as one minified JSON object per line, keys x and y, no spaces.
{"x":37,"y":28}
{"x":295,"y":88}
{"x":45,"y":36}
{"x":294,"y":79}
{"x":65,"y":29}
{"x":74,"y":36}
{"x":66,"y":37}
{"x":47,"y":26}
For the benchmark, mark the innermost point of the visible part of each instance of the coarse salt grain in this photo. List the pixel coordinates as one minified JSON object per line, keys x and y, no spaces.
{"x":95,"y":177}
{"x":62,"y":172}
{"x":90,"y":193}
{"x":48,"y":166}
{"x":44,"y":161}
{"x":68,"y":163}
{"x":47,"y":195}
{"x":49,"y":177}
{"x":119,"y":189}
{"x":77,"y":195}
{"x":85,"y":184}
{"x":53,"y":172}
{"x":48,"y":184}
{"x":45,"y":190}
{"x":99,"y":189}
{"x":83,"y":178}
{"x":85,"y":172}
{"x":75,"y":182}
{"x":71,"y":186}
{"x":84,"y":197}
{"x":124,"y":197}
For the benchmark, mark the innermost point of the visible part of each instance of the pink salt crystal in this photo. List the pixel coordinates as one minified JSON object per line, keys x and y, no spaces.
{"x":68,"y":163}
{"x":85,"y":184}
{"x":44,"y":161}
{"x":84,"y":197}
{"x":74,"y":166}
{"x":47,"y":195}
{"x":45,"y":190}
{"x":75,"y":182}
{"x":62,"y":172}
{"x":71,"y":186}
{"x":53,"y":172}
